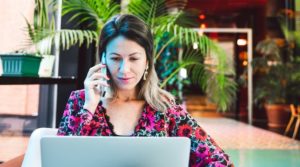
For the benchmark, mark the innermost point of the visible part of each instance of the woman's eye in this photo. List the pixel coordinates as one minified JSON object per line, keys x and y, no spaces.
{"x":133,"y":59}
{"x":115,"y":58}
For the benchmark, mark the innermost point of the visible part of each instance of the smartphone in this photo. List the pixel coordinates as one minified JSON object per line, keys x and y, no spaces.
{"x":106,"y":92}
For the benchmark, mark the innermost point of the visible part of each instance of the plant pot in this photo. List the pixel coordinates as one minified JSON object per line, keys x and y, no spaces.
{"x":278,"y":115}
{"x":46,"y":66}
{"x":20,"y":64}
{"x":259,"y":116}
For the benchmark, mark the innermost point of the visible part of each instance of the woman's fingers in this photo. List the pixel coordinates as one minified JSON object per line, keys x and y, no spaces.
{"x":99,"y":82}
{"x":95,"y":74}
{"x":98,"y":75}
{"x":94,"y":69}
{"x":94,"y":83}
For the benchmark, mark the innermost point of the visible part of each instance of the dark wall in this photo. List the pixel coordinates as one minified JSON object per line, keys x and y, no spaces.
{"x":76,"y":62}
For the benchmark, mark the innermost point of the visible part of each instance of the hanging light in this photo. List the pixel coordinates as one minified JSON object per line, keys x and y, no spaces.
{"x":200,"y":32}
{"x":241,"y":42}
{"x":203,"y":25}
{"x":202,"y":16}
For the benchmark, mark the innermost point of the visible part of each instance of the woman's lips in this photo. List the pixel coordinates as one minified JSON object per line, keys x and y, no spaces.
{"x":124,"y":80}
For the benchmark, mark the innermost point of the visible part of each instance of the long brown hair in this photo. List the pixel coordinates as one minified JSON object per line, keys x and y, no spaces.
{"x":135,"y":29}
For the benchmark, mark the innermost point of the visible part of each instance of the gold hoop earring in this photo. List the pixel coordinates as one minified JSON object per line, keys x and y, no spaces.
{"x":146,"y":72}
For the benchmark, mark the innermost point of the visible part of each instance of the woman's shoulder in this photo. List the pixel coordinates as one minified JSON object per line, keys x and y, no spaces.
{"x":78,"y":94}
{"x":177,"y":110}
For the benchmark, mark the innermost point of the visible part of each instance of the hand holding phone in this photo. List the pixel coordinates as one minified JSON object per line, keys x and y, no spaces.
{"x":96,"y":86}
{"x":105,"y":91}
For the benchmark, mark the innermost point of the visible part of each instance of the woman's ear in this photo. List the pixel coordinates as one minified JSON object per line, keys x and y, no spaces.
{"x":103,"y":58}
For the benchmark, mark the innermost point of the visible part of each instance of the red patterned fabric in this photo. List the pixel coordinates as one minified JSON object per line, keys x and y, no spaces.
{"x":175,"y":122}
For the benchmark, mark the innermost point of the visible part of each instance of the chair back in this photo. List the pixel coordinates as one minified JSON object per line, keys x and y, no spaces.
{"x":32,"y":156}
{"x":293,"y":110}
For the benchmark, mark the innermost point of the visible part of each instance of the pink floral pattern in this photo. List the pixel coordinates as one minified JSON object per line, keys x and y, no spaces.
{"x":175,"y":122}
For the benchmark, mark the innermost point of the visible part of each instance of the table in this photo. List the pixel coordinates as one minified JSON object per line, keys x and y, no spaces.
{"x":264,"y":158}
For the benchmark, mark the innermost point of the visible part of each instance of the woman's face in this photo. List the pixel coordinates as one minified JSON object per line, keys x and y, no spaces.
{"x":126,"y":61}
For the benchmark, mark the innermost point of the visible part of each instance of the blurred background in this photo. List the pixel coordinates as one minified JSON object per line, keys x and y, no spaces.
{"x":234,"y":65}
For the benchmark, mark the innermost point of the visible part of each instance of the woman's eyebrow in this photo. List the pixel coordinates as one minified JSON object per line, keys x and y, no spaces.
{"x":134,"y":53}
{"x":113,"y":53}
{"x":131,"y":54}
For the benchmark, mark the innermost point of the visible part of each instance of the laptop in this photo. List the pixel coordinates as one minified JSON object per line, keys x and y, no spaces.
{"x":79,"y":151}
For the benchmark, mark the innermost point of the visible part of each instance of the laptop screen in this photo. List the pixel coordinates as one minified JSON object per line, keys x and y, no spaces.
{"x":79,"y":151}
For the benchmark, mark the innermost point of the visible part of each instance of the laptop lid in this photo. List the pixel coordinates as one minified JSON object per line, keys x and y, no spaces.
{"x":79,"y":151}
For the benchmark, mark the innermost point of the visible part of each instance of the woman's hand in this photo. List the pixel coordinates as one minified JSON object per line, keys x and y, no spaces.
{"x":92,"y":84}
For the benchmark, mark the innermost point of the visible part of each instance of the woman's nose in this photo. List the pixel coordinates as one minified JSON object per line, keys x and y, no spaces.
{"x":124,"y":67}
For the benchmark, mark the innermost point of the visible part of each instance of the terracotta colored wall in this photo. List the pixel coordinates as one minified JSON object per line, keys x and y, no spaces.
{"x":19,"y":99}
{"x":16,"y":99}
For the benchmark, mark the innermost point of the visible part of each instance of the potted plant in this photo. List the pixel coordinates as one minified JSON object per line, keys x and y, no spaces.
{"x":277,"y":80}
{"x":20,"y":64}
{"x":278,"y":73}
{"x":43,"y":34}
{"x":28,"y":63}
{"x":43,"y":23}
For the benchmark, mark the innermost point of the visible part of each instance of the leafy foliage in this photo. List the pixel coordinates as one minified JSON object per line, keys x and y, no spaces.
{"x":94,"y":13}
{"x":160,"y":18}
{"x":278,"y":75}
{"x":43,"y":32}
{"x":278,"y":67}
{"x":219,"y":88}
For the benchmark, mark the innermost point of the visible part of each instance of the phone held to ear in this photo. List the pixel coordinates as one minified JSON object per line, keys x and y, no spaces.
{"x":105,"y":91}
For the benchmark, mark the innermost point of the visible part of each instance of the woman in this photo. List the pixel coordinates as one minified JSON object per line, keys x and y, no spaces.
{"x":138,"y":106}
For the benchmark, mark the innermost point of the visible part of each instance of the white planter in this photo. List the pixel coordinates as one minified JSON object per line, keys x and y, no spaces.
{"x":46,"y":66}
{"x":1,"y":70}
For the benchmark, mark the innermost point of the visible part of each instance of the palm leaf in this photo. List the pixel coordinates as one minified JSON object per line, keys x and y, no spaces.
{"x":72,"y":37}
{"x":156,"y":15}
{"x":155,"y":12}
{"x":92,"y":12}
{"x":45,"y":38}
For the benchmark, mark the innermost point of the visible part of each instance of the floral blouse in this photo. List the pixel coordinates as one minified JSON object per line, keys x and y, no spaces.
{"x":175,"y":122}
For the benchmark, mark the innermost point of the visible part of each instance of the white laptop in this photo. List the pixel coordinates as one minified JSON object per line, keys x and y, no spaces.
{"x":79,"y":151}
